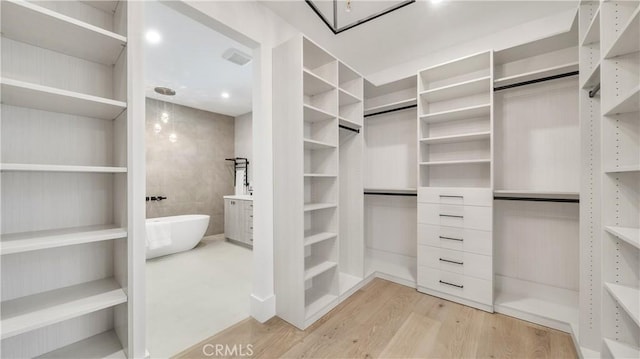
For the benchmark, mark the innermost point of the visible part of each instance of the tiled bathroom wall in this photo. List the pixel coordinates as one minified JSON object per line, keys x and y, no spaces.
{"x":191,"y":172}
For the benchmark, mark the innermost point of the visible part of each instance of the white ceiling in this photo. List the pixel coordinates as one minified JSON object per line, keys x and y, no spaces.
{"x":189,"y":60}
{"x":415,"y":30}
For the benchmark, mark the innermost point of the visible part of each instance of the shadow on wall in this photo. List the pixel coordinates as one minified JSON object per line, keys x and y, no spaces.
{"x":191,"y":172}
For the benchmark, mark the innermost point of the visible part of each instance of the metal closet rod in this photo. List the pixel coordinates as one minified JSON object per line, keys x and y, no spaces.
{"x":594,"y":91}
{"x":534,"y":199}
{"x":391,"y":194}
{"x":391,"y":110}
{"x":349,"y":128}
{"x":542,"y":79}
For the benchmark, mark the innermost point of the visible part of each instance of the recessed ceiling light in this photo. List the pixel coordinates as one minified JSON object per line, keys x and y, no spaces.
{"x":225,"y":95}
{"x":153,"y":37}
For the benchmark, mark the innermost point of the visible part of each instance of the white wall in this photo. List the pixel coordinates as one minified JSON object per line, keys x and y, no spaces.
{"x":243,"y":135}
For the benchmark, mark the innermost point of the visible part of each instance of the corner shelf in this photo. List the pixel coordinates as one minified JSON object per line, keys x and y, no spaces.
{"x":316,"y":237}
{"x":32,"y":241}
{"x":456,"y":162}
{"x":104,"y":345}
{"x":537,"y":74}
{"x":23,"y":94}
{"x":20,"y":167}
{"x":628,"y":298}
{"x":314,"y":114}
{"x":593,"y":31}
{"x":314,"y":84}
{"x":461,"y":89}
{"x":629,"y":103}
{"x":308,"y":207}
{"x":458,"y":114}
{"x":318,"y":268}
{"x":316,"y":145}
{"x":347,"y":98}
{"x":457,"y":138}
{"x":390,"y":106}
{"x":63,"y":33}
{"x":620,"y":350}
{"x":627,"y":41}
{"x":627,"y":234}
{"x":25,"y":314}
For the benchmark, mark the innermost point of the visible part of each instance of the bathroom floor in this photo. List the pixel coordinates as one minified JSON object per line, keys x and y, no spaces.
{"x":193,"y":295}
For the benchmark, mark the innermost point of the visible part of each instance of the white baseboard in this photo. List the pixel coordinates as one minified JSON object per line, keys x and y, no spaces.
{"x":263,"y":309}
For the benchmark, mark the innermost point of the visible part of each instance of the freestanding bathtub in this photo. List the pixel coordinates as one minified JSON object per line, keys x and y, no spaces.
{"x":186,"y":232}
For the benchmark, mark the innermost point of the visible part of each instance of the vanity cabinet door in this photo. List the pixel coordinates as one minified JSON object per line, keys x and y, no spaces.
{"x":231,"y":218}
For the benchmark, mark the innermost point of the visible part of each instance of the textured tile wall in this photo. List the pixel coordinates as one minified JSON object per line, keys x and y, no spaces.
{"x":192,"y":171}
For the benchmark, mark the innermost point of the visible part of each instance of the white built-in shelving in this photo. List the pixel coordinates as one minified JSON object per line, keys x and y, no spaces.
{"x":627,"y":40}
{"x":70,"y":219}
{"x":627,"y":103}
{"x":537,"y":74}
{"x":458,"y":114}
{"x":621,"y":351}
{"x":474,"y":136}
{"x":318,"y":243}
{"x":592,"y":33}
{"x":593,"y":78}
{"x":627,"y":298}
{"x":627,"y":234}
{"x":456,"y":90}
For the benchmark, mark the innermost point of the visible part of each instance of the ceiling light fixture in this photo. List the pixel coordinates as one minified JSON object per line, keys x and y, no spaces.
{"x":328,"y":12}
{"x":165,"y":91}
{"x":153,"y":37}
{"x":225,"y":95}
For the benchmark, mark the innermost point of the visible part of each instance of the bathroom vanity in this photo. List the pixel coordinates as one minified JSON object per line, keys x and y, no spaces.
{"x":238,"y":219}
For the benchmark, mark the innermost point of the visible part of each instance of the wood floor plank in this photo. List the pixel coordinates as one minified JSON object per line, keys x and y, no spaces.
{"x":388,"y":320}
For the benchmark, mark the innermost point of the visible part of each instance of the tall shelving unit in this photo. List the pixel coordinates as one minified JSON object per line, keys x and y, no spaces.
{"x":620,"y":165}
{"x":69,"y":218}
{"x":455,"y":150}
{"x":318,"y":260}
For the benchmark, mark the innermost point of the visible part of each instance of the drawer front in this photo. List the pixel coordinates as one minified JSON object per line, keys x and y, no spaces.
{"x":457,"y":196}
{"x":460,"y":239}
{"x":468,"y":264}
{"x":475,"y":289}
{"x":472,"y":217}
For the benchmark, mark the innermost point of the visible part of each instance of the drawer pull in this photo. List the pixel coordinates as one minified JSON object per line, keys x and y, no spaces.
{"x":452,"y":239}
{"x":451,"y":284}
{"x":450,"y":196}
{"x":451,"y":215}
{"x":450,"y":261}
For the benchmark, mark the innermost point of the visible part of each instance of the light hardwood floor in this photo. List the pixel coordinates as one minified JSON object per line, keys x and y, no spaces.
{"x":388,"y":320}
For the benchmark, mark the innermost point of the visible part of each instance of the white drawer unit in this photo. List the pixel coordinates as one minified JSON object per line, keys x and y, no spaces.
{"x":471,"y":217}
{"x":461,"y":239}
{"x":468,"y":264}
{"x":238,"y":220}
{"x":454,"y":284}
{"x":456,"y":196}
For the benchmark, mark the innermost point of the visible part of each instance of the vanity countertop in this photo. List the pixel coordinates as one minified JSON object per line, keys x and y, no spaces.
{"x":240,"y":197}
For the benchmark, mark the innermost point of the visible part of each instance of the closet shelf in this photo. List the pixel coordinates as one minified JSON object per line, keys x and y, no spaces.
{"x":347,"y":98}
{"x":537,"y":74}
{"x":593,"y":78}
{"x":316,"y":145}
{"x":345,"y":122}
{"x":621,"y":350}
{"x":20,"y":167}
{"x":462,"y":89}
{"x":629,"y":103}
{"x":628,"y":298}
{"x":456,"y":162}
{"x":23,"y":94}
{"x":32,"y":241}
{"x":40,"y":310}
{"x":314,"y":114}
{"x":514,"y":304}
{"x":408,"y":190}
{"x":627,"y":234}
{"x":314,"y":84}
{"x":316,"y":269}
{"x":318,"y":304}
{"x":458,"y":114}
{"x":316,"y":237}
{"x":61,"y":33}
{"x":621,"y":169}
{"x":537,"y":194}
{"x":457,"y":138}
{"x":467,"y":64}
{"x":104,"y":345}
{"x":317,"y":206}
{"x":390,"y":106}
{"x":319,"y":175}
{"x":627,"y":41}
{"x":593,"y":31}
